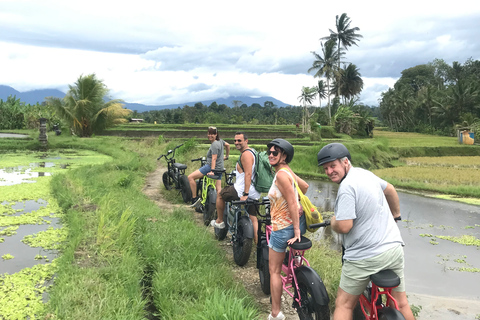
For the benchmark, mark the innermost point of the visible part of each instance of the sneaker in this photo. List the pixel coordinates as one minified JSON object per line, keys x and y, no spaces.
{"x":220,"y":225}
{"x":279,"y":316}
{"x":195,"y":201}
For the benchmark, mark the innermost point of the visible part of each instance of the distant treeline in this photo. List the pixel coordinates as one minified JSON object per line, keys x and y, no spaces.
{"x":254,"y":114}
{"x":434,"y":98}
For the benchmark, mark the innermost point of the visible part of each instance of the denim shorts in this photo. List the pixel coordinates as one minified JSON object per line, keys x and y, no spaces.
{"x":206,"y":169}
{"x":279,"y":238}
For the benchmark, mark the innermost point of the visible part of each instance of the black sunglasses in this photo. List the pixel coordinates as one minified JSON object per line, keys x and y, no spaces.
{"x":239,"y":140}
{"x":275,"y":153}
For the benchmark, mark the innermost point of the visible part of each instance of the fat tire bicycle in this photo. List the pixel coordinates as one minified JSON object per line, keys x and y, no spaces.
{"x":239,"y":225}
{"x":208,"y":194}
{"x":299,"y":280}
{"x":175,"y":175}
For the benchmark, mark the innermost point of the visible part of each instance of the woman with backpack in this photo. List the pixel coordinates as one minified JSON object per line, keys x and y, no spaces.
{"x":214,"y":161}
{"x":287,"y":218}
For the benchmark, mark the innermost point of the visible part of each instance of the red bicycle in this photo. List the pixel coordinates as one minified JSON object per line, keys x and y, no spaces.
{"x":371,"y":306}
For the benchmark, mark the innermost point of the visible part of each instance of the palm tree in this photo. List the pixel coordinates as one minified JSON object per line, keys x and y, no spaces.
{"x":307,"y":96}
{"x":344,"y":36}
{"x":325,"y":66}
{"x":350,"y":84}
{"x":321,"y":91}
{"x":85,"y":109}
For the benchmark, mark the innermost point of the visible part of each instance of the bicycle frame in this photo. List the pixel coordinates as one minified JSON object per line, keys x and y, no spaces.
{"x":370,"y":305}
{"x":295,"y":259}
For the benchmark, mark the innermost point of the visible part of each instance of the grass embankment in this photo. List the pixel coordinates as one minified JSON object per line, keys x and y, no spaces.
{"x":127,"y":259}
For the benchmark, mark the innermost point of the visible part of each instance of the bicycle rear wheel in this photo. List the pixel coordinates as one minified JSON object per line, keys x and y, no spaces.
{"x":307,"y":310}
{"x":166,"y":181}
{"x":185,"y":189}
{"x":242,"y":247}
{"x":388,"y":313}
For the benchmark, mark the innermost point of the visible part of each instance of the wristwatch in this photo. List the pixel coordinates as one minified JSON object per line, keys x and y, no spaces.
{"x":245,"y":193}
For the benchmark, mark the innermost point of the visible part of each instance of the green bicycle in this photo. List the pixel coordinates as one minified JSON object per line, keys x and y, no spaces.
{"x":208,"y":193}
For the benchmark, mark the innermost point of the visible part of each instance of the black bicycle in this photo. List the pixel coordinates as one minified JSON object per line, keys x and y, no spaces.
{"x":175,"y":175}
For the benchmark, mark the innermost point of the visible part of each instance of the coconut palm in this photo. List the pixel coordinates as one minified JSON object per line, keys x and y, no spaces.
{"x":85,"y":109}
{"x":325,"y":66}
{"x":349,"y":83}
{"x":321,"y":91}
{"x":307,"y":96}
{"x":344,"y":36}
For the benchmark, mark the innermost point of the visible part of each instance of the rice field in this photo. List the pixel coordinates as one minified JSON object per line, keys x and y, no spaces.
{"x":459,"y":176}
{"x":411,"y":139}
{"x":457,"y":162}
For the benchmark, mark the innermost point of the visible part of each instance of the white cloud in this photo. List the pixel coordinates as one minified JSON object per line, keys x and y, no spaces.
{"x":173,"y":52}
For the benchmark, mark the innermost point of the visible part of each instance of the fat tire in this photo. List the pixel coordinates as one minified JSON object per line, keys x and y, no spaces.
{"x":209,"y":210}
{"x":166,"y":181}
{"x":388,"y":313}
{"x":242,"y":247}
{"x":358,"y":313}
{"x":307,"y":311}
{"x":264,"y":274}
{"x":185,"y":189}
{"x":221,"y":234}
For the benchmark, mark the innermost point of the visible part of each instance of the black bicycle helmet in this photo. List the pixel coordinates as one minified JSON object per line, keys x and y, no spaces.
{"x":285,"y":146}
{"x":332,"y":152}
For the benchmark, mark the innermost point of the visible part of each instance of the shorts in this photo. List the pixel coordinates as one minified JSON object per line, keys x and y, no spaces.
{"x":356,"y":273}
{"x":206,"y":169}
{"x":279,"y":238}
{"x":230,"y":194}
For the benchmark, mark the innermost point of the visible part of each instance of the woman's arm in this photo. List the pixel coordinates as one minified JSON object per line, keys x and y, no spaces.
{"x":302,"y":184}
{"x":214,"y":161}
{"x":227,"y":150}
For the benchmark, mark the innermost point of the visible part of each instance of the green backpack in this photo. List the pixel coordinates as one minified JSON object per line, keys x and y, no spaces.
{"x":262,"y":175}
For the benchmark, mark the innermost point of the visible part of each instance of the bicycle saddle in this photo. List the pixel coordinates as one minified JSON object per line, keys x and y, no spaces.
{"x":385,"y":279}
{"x":180,"y":166}
{"x":304,"y":244}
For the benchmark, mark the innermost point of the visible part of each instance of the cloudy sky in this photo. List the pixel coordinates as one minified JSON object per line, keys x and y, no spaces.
{"x":165,"y":52}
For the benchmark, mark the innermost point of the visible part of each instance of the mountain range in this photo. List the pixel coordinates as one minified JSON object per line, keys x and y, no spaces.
{"x":34,"y":96}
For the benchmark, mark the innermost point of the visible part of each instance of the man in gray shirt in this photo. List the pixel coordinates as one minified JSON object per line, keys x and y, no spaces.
{"x":365,"y":209}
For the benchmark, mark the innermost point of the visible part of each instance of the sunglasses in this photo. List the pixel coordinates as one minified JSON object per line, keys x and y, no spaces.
{"x":275,"y":153}
{"x":239,"y":140}
{"x":212,"y":128}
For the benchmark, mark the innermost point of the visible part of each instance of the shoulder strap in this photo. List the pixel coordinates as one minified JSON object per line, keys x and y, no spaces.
{"x":294,"y":180}
{"x":240,"y":162}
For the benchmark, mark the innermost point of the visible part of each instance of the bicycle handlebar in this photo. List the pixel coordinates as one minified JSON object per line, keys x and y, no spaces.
{"x":319,"y":225}
{"x":198,"y":159}
{"x":169,"y":152}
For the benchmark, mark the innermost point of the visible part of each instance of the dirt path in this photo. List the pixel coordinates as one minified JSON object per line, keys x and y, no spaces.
{"x":432,"y":307}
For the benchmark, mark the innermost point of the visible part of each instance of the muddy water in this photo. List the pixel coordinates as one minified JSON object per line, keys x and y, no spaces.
{"x":432,"y":264}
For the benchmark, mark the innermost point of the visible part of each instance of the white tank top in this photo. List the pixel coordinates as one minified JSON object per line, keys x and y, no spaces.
{"x":240,"y":183}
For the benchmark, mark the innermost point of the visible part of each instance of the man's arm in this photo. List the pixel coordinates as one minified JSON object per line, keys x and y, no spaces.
{"x":247,"y":160}
{"x":341,"y":226}
{"x":392,"y":199}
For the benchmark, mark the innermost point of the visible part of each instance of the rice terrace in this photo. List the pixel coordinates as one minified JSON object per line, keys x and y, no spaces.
{"x":101,"y":249}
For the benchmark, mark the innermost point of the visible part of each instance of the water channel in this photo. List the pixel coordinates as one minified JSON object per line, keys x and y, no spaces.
{"x":431,"y":264}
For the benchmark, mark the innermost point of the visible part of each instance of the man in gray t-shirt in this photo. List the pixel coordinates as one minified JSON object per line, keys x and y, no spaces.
{"x":365,"y":209}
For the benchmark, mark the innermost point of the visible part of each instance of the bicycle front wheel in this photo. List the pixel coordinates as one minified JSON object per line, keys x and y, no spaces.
{"x":166,"y":181}
{"x":307,"y":310}
{"x":210,"y":207}
{"x":264,"y":274}
{"x":185,"y":189}
{"x":242,"y":247}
